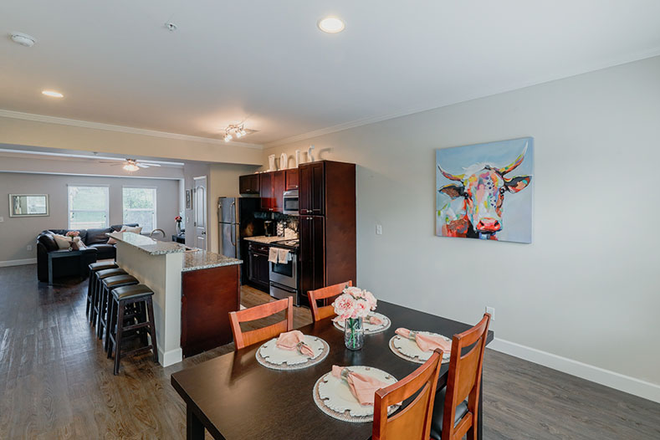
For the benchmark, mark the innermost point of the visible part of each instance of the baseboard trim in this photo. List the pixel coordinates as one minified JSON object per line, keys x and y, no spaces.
{"x":170,"y":357}
{"x":621,"y":382}
{"x":9,"y":263}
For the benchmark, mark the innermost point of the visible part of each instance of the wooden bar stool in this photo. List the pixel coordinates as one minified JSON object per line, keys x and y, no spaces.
{"x":122,"y":323}
{"x":96,"y":294}
{"x":107,"y":285}
{"x":93,"y":269}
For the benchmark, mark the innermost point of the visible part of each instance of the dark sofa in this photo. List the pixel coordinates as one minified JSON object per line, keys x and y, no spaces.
{"x":98,"y":248}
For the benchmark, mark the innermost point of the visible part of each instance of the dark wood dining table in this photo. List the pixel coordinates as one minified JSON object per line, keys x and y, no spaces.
{"x":234,"y":397}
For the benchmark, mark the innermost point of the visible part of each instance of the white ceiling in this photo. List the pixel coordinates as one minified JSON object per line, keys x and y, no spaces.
{"x":267,"y":63}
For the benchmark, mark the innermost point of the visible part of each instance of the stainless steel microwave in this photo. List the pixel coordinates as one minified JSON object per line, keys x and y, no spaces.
{"x":290,"y":202}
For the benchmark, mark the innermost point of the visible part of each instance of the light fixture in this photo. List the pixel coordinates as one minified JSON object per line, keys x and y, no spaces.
{"x":52,"y":93}
{"x":237,"y":131}
{"x":131,"y":165}
{"x":331,"y":25}
{"x":23,"y":39}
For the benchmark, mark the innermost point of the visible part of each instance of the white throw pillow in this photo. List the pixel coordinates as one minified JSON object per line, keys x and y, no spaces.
{"x":62,"y":241}
{"x":78,"y":244}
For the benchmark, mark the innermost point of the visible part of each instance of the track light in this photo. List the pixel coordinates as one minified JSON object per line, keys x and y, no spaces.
{"x":237,"y":131}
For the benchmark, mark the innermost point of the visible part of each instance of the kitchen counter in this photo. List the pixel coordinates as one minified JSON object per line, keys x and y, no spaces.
{"x":266,"y":240}
{"x":148,"y":245}
{"x":200,"y":259}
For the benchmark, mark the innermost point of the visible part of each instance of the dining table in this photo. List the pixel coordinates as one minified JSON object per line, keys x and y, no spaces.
{"x":234,"y":397}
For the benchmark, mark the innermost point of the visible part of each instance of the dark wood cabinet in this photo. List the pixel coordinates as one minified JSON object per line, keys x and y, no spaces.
{"x":278,"y":191}
{"x":249,"y":184}
{"x":291,"y":179}
{"x":311,"y":231}
{"x":258,"y":266}
{"x":312,"y":188}
{"x":208,"y":295}
{"x":266,"y":191}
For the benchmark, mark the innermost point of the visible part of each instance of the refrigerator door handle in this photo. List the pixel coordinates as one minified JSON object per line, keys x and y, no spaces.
{"x":233,"y":233}
{"x":233,"y":210}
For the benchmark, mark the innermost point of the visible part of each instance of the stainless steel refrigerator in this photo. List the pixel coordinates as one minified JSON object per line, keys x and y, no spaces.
{"x":236,"y":217}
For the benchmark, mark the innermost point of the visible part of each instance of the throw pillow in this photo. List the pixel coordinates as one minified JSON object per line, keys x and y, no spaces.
{"x":78,"y":244}
{"x":62,"y":241}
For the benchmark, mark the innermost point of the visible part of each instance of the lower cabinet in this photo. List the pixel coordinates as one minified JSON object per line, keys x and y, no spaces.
{"x":207,"y":297}
{"x":258,"y":275}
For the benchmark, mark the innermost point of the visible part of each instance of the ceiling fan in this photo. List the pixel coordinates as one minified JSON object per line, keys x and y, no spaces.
{"x":131,"y":164}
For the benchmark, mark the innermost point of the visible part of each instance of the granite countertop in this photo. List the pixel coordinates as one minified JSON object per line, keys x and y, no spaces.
{"x":200,"y":259}
{"x":264,"y":240}
{"x":148,"y":245}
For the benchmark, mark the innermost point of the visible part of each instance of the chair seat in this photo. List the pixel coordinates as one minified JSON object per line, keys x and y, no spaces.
{"x":134,"y":291}
{"x":119,"y":280}
{"x":101,"y":274}
{"x":438,"y":413}
{"x":102,"y":265}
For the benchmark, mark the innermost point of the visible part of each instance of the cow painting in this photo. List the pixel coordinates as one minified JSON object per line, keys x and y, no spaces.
{"x":473,"y":202}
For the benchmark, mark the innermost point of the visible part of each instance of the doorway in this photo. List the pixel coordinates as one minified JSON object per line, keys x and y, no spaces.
{"x":199,"y":212}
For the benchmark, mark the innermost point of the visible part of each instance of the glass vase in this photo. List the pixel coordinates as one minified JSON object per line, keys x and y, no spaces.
{"x":354,"y":333}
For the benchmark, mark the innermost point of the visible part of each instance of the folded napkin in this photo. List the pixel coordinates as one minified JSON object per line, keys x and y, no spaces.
{"x":294,"y":340}
{"x":425,"y":342}
{"x":362,"y":386}
{"x":283,"y":256}
{"x":272,"y":255}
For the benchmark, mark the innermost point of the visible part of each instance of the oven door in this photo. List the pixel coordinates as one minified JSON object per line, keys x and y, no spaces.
{"x":285,"y":274}
{"x":282,"y":292}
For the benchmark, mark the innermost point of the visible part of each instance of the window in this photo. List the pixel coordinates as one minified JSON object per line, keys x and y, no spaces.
{"x":140,"y":207}
{"x":88,"y":207}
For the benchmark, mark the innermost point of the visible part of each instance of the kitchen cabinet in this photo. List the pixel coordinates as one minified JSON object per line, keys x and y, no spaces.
{"x":311,"y":232}
{"x":249,"y":184}
{"x":278,"y":191}
{"x":266,"y":191}
{"x":311,"y":190}
{"x":291,"y":179}
{"x":207,"y":297}
{"x":258,"y":266}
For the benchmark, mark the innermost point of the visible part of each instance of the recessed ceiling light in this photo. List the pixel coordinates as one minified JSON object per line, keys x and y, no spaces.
{"x":331,"y":25}
{"x":52,"y":94}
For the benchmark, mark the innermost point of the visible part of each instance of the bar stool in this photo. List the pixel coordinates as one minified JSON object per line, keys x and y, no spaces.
{"x":96,"y":295}
{"x":93,"y":268}
{"x":107,"y":285}
{"x":143,"y":317}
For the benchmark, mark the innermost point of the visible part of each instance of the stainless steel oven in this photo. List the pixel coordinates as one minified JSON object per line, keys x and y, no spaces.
{"x":284,"y":277}
{"x":290,"y":202}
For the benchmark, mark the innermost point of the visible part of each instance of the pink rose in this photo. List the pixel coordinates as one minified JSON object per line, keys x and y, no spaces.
{"x":361,"y":309}
{"x":344,"y":306}
{"x":371,"y":299}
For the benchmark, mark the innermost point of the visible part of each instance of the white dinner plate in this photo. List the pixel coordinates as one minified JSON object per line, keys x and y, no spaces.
{"x":271,"y":356}
{"x":408,"y":349}
{"x":369,"y":329}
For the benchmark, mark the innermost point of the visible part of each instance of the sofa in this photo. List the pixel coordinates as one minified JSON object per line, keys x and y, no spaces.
{"x":76,"y":264}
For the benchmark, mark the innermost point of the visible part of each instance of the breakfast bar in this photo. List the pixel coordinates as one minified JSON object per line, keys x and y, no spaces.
{"x":194,"y":290}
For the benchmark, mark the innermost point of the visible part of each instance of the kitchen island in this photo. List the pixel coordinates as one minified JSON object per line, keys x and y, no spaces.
{"x":194,"y":290}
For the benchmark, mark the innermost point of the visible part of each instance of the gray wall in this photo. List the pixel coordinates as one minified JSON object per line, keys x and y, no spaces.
{"x":17,"y":233}
{"x":587,"y":289}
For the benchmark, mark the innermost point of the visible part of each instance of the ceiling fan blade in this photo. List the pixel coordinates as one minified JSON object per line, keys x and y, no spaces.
{"x":141,"y":165}
{"x":149,"y":164}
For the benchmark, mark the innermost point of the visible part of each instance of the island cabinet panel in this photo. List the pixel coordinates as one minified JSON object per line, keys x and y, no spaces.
{"x":266,"y":191}
{"x":291,"y":179}
{"x":311,"y":192}
{"x":249,"y":184}
{"x":278,"y":191}
{"x":208,"y":295}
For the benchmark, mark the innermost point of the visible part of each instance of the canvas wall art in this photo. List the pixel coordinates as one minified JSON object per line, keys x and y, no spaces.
{"x":484,"y":191}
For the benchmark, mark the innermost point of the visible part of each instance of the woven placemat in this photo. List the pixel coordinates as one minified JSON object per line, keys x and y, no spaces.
{"x":445,"y":357}
{"x":285,"y":367}
{"x":388,"y":324}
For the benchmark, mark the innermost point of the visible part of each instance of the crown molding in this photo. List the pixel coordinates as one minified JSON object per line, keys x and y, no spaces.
{"x":554,"y":76}
{"x":121,"y":129}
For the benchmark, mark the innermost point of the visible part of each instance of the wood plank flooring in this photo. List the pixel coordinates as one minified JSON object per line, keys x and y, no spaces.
{"x":56,"y":383}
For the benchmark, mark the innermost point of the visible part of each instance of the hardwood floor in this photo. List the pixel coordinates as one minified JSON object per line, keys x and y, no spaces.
{"x":56,"y":383}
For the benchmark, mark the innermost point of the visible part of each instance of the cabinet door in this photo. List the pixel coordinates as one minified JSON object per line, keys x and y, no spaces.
{"x":278,"y":191}
{"x":312,"y":253}
{"x":312,"y":189}
{"x":249,"y":184}
{"x":266,"y":191}
{"x":258,"y":270}
{"x":291,"y":179}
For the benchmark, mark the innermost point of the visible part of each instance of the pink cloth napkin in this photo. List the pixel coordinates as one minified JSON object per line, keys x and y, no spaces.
{"x":363,"y":387}
{"x":426,"y":342}
{"x":294,"y":340}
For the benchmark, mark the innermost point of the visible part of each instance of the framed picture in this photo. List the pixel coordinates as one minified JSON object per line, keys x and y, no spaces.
{"x":28,"y":205}
{"x":188,"y":199}
{"x":484,"y":191}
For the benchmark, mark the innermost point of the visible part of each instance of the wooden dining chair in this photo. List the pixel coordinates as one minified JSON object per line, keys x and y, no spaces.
{"x":456,"y":406}
{"x":243,"y":339}
{"x":414,"y":421}
{"x":325,"y":293}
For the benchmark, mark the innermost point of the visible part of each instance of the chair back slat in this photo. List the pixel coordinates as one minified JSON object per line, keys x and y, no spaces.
{"x":325,"y":293}
{"x":464,"y":380}
{"x":414,"y":421}
{"x":245,"y":338}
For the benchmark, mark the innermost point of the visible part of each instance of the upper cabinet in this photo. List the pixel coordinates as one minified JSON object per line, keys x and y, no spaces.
{"x":278,"y":191}
{"x":249,"y":184}
{"x":266,"y":191}
{"x":291,"y":179}
{"x":311,"y":193}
